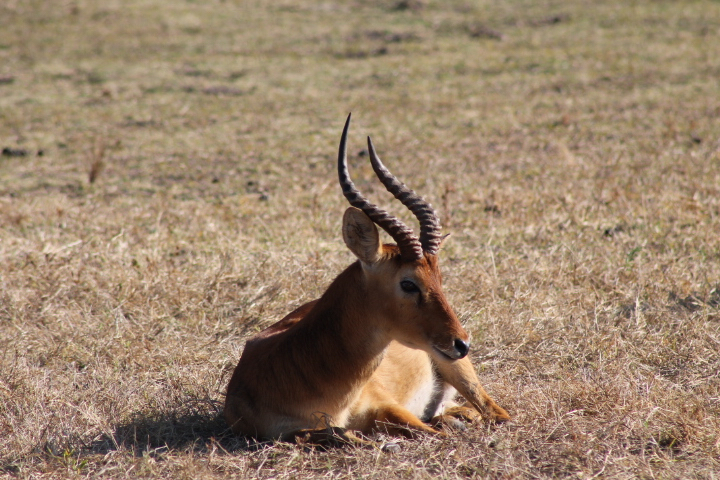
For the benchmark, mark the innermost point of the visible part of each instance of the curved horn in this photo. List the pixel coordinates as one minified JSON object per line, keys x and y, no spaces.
{"x":410,"y":246}
{"x":430,"y":236}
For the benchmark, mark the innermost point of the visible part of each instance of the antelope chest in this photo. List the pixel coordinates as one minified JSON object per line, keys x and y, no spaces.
{"x":431,"y":398}
{"x":408,"y":376}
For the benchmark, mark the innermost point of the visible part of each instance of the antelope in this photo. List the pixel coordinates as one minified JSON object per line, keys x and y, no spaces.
{"x":381,"y":349}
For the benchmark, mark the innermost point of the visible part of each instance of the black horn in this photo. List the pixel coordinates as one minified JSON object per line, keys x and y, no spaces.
{"x":430,"y":236}
{"x":410,"y":247}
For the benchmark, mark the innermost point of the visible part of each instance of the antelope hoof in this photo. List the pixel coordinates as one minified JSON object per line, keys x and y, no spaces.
{"x":445,"y":421}
{"x":498,"y":414}
{"x":457,"y":417}
{"x":391,"y":447}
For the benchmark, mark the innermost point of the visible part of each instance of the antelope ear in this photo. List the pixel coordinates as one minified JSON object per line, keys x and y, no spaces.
{"x":361,"y":235}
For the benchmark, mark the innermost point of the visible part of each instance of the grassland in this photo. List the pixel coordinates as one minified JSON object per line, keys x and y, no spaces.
{"x":168,"y":190}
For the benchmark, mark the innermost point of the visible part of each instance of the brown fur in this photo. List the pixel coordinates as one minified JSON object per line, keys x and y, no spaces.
{"x":361,"y":356}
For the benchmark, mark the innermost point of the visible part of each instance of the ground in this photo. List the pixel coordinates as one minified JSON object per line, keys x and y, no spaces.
{"x":167,"y":189}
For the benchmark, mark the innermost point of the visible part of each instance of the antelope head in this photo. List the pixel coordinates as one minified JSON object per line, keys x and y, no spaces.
{"x":403,"y":281}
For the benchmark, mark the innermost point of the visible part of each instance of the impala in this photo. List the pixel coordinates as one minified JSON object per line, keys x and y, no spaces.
{"x":380,"y":349}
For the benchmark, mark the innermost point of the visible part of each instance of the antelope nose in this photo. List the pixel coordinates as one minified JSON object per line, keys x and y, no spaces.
{"x":461,"y":348}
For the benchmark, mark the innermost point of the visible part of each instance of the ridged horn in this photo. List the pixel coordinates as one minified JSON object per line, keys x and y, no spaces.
{"x":430,"y":236}
{"x":410,"y":247}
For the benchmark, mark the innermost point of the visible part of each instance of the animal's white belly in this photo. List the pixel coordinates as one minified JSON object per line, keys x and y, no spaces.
{"x":432,"y":399}
{"x":420,"y":399}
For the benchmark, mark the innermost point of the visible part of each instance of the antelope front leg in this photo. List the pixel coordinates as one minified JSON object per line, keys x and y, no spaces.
{"x":397,"y":420}
{"x":456,"y":417}
{"x":461,"y":375}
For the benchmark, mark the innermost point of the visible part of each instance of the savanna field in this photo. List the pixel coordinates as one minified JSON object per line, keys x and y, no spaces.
{"x":168,"y":188}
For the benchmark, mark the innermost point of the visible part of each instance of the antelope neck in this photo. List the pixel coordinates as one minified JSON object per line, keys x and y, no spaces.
{"x":343,"y":326}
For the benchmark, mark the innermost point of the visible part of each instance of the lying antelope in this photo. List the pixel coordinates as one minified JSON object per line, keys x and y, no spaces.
{"x":381,"y":348}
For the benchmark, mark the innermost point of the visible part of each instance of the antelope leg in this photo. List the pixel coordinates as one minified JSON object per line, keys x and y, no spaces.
{"x":461,"y":375}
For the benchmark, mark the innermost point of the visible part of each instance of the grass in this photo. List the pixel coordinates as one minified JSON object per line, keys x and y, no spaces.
{"x":167,"y":190}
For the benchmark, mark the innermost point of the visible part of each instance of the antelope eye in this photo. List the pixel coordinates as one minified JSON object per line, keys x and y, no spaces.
{"x":409,"y":287}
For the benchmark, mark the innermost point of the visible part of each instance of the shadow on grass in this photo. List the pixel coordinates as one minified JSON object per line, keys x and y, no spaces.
{"x":200,"y":429}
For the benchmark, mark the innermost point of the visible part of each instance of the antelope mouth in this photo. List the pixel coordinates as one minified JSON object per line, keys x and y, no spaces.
{"x":444,"y":355}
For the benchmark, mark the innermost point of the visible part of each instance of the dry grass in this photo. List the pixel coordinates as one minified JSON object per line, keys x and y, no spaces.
{"x":177,"y":194}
